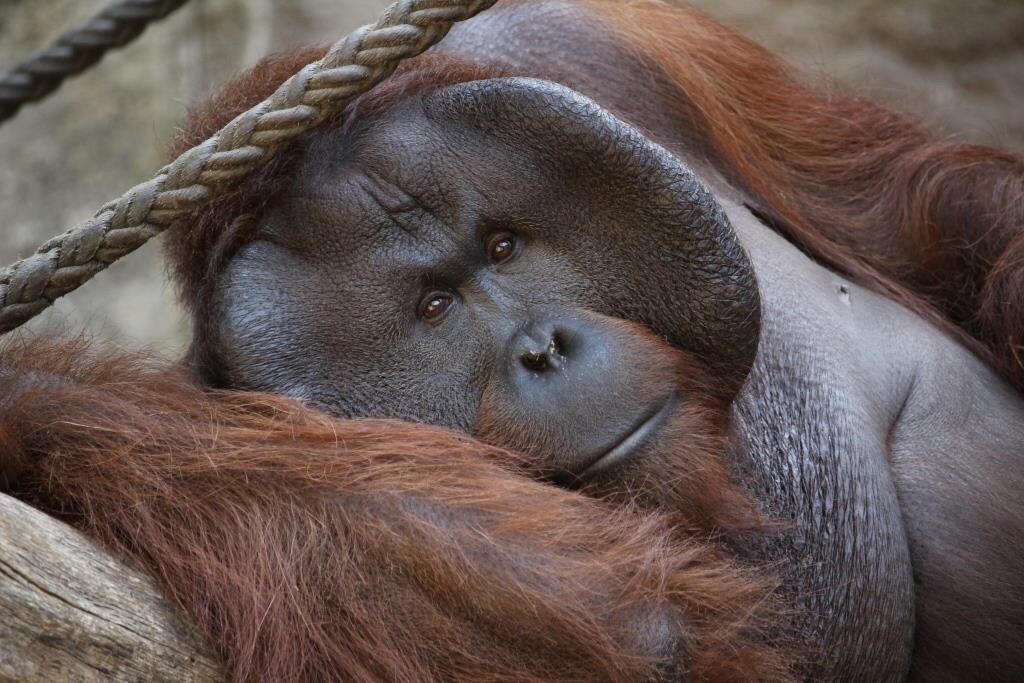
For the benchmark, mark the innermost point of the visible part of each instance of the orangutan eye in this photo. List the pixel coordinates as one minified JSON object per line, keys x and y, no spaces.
{"x":434,"y":305}
{"x":501,"y":247}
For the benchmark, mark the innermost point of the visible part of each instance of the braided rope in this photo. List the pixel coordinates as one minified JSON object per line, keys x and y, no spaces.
{"x":77,"y":50}
{"x":351,"y":67}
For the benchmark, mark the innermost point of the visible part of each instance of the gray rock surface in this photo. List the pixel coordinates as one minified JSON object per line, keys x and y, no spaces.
{"x":959,"y":64}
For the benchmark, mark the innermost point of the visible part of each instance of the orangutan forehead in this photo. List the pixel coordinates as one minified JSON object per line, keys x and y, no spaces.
{"x":372,"y":188}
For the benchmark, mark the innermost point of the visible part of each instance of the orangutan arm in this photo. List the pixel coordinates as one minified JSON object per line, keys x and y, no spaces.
{"x":307,"y":548}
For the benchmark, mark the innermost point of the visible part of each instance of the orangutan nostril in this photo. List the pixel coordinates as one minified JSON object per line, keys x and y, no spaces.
{"x":535,"y":361}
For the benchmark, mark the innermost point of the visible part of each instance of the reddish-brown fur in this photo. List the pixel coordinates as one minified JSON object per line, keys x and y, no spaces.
{"x":309,"y":548}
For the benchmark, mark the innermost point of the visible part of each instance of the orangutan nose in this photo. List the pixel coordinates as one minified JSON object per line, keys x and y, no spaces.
{"x":540,"y":348}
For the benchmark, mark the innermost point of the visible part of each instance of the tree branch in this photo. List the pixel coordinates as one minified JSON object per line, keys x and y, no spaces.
{"x":71,"y":611}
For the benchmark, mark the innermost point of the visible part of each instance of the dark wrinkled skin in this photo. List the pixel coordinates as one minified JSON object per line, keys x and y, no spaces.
{"x":891,"y":455}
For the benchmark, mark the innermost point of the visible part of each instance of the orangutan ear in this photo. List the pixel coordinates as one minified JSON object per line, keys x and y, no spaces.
{"x":711,"y":305}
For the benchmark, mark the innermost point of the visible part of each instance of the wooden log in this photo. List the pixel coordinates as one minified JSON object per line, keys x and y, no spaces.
{"x":70,"y":611}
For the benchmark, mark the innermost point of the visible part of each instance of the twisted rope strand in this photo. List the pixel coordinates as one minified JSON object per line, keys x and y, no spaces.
{"x":351,"y":67}
{"x":117,"y":25}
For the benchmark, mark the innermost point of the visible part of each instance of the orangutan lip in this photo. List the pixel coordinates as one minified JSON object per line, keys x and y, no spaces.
{"x":628,"y":444}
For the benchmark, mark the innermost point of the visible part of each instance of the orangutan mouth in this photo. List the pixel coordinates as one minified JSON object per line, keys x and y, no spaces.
{"x":626,"y":447}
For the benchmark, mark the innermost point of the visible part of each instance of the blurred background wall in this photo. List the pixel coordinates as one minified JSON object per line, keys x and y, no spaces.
{"x":958,"y":64}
